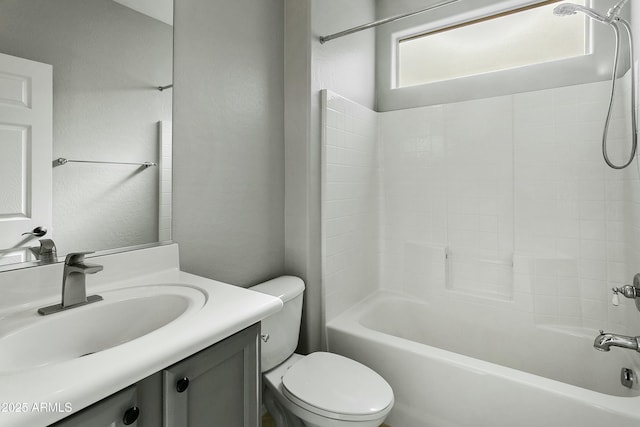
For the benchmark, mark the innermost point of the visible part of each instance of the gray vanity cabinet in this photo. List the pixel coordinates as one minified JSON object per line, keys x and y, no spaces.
{"x":115,"y":411}
{"x":218,"y":386}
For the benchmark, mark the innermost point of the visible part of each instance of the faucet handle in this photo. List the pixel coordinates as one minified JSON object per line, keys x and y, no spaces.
{"x":615,"y":300}
{"x":37,"y":232}
{"x":75,"y":257}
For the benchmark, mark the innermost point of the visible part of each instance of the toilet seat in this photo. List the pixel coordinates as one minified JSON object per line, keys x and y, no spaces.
{"x":336,"y":387}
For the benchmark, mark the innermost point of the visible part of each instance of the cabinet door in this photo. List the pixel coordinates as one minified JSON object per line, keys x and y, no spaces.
{"x":219,"y":386}
{"x":114,"y":411}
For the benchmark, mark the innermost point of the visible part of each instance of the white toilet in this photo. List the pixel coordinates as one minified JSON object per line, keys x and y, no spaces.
{"x":318,"y":390}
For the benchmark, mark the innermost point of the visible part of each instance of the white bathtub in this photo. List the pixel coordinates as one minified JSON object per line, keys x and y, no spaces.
{"x":487,"y":367}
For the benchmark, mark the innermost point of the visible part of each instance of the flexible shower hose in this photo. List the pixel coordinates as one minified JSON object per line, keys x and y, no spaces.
{"x":634,"y":129}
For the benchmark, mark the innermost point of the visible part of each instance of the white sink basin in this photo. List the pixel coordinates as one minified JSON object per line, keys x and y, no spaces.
{"x":29,"y":340}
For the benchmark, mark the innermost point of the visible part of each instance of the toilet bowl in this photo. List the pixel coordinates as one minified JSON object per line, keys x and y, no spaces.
{"x":327,"y":390}
{"x":318,"y":390}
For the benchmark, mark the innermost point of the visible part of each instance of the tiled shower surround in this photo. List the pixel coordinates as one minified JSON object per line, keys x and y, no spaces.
{"x":502,"y":201}
{"x":350,"y":203}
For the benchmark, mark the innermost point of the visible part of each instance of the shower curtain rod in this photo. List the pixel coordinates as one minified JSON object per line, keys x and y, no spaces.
{"x":324,"y":39}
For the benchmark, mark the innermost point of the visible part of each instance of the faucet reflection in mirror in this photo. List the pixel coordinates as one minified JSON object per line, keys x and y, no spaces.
{"x":47,"y":253}
{"x":106,"y":62}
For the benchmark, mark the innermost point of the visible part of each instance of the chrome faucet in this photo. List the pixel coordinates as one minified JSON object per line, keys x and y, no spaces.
{"x":74,"y":290}
{"x":605,"y":341}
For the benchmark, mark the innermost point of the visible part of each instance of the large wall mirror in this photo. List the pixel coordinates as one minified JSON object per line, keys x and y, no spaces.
{"x":85,"y":125}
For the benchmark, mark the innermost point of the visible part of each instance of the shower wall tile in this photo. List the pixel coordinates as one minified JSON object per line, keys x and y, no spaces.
{"x":413,"y":190}
{"x":520,"y":176}
{"x":425,"y":269}
{"x":503,"y":201}
{"x":573,"y":138}
{"x":480,"y":189}
{"x":349,"y":203}
{"x":436,"y":192}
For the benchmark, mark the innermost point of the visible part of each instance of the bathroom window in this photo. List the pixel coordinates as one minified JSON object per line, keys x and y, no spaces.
{"x":525,"y":36}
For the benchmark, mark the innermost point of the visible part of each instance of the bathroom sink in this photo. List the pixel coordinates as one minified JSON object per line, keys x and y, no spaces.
{"x":28,"y":340}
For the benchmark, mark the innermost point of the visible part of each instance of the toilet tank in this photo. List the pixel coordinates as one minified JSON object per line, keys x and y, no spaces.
{"x":283,"y":327}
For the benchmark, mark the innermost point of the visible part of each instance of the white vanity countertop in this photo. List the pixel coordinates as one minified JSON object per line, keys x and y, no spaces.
{"x":80,"y":382}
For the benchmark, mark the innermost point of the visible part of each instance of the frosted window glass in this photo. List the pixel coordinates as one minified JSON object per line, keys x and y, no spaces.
{"x":529,"y":37}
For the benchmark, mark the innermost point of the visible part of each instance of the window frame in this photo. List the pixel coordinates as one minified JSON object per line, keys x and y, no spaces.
{"x":591,"y":67}
{"x":430,"y":31}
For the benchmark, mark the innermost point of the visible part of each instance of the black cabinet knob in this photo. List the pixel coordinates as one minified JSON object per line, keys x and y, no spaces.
{"x":182,"y":384}
{"x":131,"y":415}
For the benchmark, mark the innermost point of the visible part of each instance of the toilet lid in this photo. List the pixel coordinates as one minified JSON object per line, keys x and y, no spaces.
{"x":338,"y":385}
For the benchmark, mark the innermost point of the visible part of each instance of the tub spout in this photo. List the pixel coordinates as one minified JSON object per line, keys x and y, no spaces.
{"x":605,"y":341}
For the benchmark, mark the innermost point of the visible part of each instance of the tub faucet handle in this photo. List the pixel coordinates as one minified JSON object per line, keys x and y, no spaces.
{"x":628,"y":291}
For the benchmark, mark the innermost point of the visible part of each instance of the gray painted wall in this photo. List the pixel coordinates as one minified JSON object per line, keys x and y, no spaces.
{"x":228,"y":139}
{"x":107,"y":60}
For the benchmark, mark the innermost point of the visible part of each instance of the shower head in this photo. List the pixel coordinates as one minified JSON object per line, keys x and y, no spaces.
{"x":615,"y":11}
{"x":566,"y":9}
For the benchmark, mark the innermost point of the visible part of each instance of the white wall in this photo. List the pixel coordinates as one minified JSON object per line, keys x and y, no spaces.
{"x":348,"y":66}
{"x":228,"y":201}
{"x":107,"y":60}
